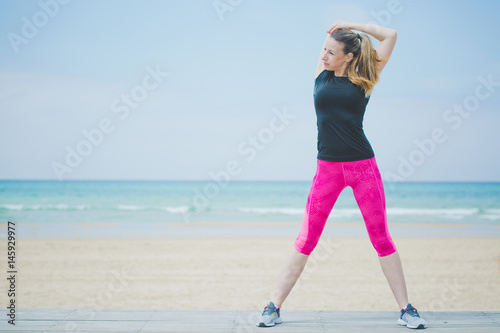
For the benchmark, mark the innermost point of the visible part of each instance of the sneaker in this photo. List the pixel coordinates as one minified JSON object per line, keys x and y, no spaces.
{"x":270,"y":316}
{"x":410,"y":318}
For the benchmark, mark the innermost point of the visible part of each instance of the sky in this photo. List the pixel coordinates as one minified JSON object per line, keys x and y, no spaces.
{"x":223,"y":90}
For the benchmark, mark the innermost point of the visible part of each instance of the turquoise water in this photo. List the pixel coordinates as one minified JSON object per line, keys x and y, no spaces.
{"x":178,"y":201}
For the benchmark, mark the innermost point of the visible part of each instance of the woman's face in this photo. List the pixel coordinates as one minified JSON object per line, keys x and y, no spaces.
{"x":334,"y":58}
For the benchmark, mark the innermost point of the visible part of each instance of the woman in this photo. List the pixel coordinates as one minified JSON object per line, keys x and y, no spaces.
{"x":347,"y":70}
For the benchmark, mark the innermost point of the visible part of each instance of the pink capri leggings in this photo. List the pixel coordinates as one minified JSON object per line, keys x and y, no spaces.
{"x":330,"y":180}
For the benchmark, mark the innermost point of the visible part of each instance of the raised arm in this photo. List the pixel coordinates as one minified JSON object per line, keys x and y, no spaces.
{"x":386,"y":36}
{"x":321,"y":66}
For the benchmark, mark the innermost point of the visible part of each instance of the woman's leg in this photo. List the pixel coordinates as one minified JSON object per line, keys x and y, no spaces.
{"x":366,"y":182}
{"x":327,"y":184}
{"x":294,"y":266}
{"x":393,"y":271}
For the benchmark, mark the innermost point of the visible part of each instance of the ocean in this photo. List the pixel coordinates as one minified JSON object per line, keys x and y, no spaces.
{"x":143,"y":202}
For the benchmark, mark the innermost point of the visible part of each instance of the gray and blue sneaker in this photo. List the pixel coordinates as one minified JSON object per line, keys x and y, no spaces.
{"x":270,"y":316}
{"x":410,"y":318}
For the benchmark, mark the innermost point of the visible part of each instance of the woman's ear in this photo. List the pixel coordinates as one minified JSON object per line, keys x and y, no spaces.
{"x":348,"y":57}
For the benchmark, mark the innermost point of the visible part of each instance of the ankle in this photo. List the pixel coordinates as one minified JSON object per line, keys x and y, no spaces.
{"x":277,"y":304}
{"x":403,"y":306}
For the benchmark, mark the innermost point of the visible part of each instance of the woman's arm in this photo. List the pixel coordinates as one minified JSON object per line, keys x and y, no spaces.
{"x":321,"y":65}
{"x":386,"y":36}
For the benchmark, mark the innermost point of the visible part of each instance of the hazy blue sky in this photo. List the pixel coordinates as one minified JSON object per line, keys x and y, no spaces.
{"x":183,"y":89}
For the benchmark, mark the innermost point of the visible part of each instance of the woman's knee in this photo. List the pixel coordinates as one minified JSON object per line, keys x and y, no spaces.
{"x":305,"y":245}
{"x":384,"y":247}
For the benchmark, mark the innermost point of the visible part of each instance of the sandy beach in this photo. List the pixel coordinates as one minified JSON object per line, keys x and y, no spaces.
{"x":342,"y":274}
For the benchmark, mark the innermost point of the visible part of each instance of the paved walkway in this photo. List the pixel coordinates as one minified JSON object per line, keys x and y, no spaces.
{"x":145,"y":321}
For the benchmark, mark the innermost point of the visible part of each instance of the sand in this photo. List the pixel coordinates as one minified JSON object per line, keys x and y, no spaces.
{"x":342,"y":274}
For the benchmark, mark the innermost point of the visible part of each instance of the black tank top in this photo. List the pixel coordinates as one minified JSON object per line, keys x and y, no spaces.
{"x":340,"y":106}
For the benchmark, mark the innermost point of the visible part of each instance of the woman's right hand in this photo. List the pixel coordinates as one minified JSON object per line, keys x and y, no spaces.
{"x":338,"y":25}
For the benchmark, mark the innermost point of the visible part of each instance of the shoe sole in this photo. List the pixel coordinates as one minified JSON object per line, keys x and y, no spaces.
{"x":404,"y":323}
{"x":421,"y":326}
{"x":277,"y":321}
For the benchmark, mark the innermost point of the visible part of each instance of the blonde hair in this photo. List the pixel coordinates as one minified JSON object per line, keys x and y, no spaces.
{"x":362,"y":69}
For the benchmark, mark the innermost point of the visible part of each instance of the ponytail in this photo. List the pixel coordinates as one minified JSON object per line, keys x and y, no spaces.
{"x":362,"y":70}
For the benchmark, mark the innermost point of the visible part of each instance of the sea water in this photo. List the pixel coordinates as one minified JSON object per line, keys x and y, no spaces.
{"x":31,"y":201}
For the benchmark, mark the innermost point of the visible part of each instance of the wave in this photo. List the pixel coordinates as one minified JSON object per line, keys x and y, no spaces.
{"x":345,"y":212}
{"x":492,"y":214}
{"x":261,"y":210}
{"x":456,"y":213}
{"x":170,"y":209}
{"x":130,"y":207}
{"x":11,"y":207}
{"x":452,"y":213}
{"x":66,"y":207}
{"x":176,"y":209}
{"x":43,"y":207}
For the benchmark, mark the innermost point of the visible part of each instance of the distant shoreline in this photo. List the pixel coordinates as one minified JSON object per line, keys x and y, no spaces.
{"x":241,"y":230}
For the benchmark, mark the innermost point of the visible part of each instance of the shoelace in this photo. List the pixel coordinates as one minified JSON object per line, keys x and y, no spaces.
{"x":268,"y":310}
{"x":412,"y":312}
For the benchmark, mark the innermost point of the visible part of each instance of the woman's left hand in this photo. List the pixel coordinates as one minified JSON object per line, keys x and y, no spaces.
{"x":338,"y":25}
